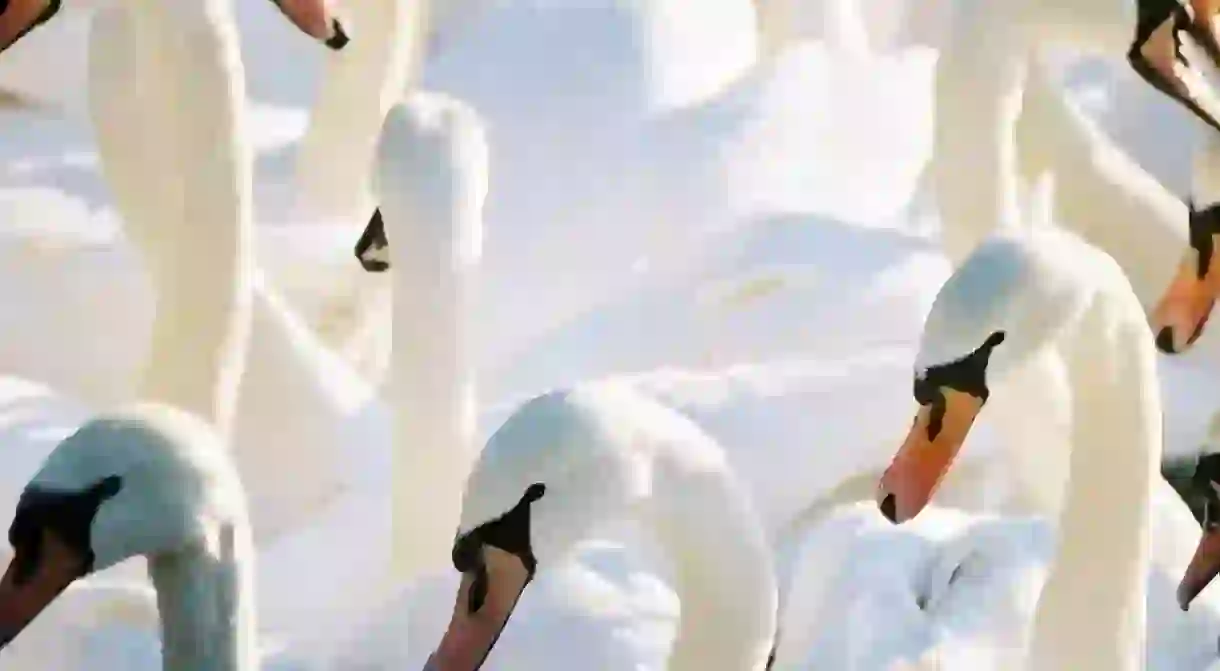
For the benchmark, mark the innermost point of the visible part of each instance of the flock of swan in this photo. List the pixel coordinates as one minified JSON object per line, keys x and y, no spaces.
{"x":557,"y":412}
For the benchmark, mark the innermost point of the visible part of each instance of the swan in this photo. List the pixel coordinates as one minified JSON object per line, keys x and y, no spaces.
{"x":1010,"y":298}
{"x":570,"y":461}
{"x":220,"y":340}
{"x":999,"y":119}
{"x":647,"y":43}
{"x":145,"y":480}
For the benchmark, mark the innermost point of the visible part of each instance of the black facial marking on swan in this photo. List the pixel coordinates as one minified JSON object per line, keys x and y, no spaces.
{"x":967,"y":375}
{"x":1164,"y":341}
{"x":509,"y":532}
{"x":1203,"y":225}
{"x":68,"y":514}
{"x":889,"y":508}
{"x":1206,"y":484}
{"x":771,"y":656}
{"x":338,"y":38}
{"x":372,"y":244}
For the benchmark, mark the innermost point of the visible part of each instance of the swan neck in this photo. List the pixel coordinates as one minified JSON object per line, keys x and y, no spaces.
{"x":333,"y":171}
{"x":1092,"y":610}
{"x":435,"y":233}
{"x":723,"y":572}
{"x":198,"y":252}
{"x":207,"y":612}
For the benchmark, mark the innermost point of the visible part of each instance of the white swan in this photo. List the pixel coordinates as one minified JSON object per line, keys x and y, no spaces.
{"x":569,"y":462}
{"x":297,"y":403}
{"x":1009,"y":299}
{"x":999,"y":119}
{"x":150,"y":481}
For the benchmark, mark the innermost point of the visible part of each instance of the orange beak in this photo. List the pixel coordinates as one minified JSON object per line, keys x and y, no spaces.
{"x":1182,"y":312}
{"x":22,"y":16}
{"x":927,"y":454}
{"x":315,"y":19}
{"x":34,"y":578}
{"x":483,"y":608}
{"x":1203,"y":568}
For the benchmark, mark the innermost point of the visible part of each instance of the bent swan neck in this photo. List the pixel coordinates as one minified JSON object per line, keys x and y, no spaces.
{"x":723,"y":571}
{"x":1092,"y":610}
{"x":207,"y":612}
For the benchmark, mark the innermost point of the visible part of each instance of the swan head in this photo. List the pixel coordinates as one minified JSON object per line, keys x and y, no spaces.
{"x":147,"y":481}
{"x":1182,"y":313}
{"x":543,"y":480}
{"x":1007,"y":301}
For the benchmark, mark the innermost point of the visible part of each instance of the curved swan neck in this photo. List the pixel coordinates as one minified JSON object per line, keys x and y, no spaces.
{"x":199,"y":253}
{"x":358,"y":86}
{"x":1092,"y":610}
{"x":1110,"y":201}
{"x":207,"y":613}
{"x":723,"y":571}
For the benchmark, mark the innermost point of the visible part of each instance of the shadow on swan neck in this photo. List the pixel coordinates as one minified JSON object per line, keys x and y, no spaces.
{"x":1092,"y":609}
{"x":204,"y":595}
{"x":722,"y":570}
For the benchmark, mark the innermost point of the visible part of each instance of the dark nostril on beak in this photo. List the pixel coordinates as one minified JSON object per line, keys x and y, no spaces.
{"x":889,"y":508}
{"x":1164,"y":340}
{"x":339,"y":38}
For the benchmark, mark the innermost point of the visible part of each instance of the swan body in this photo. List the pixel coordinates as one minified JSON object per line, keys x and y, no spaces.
{"x":1009,"y":299}
{"x":958,"y":591}
{"x":571,"y":461}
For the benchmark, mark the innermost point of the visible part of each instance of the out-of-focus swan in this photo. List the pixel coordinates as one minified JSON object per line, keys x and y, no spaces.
{"x":1011,"y":298}
{"x":999,"y":119}
{"x":569,"y":462}
{"x":149,"y":481}
{"x":179,"y":171}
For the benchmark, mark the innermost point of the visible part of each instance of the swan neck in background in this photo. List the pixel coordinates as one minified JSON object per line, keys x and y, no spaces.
{"x":1091,"y":613}
{"x":359,"y":84}
{"x":199,"y":254}
{"x":1110,"y":201}
{"x":722,"y":569}
{"x":977,"y":96}
{"x":204,"y":595}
